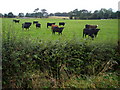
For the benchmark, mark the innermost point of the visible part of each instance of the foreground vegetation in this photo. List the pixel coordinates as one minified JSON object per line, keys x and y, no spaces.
{"x":47,"y":65}
{"x":30,"y":62}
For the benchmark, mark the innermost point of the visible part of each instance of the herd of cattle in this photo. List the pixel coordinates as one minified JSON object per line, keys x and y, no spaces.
{"x":90,"y":30}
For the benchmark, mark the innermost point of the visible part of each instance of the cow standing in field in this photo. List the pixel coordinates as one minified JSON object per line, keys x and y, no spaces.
{"x":26,"y":25}
{"x":57,"y":29}
{"x":16,"y":21}
{"x":90,"y":30}
{"x":61,"y":23}
{"x":50,"y":24}
{"x":38,"y":25}
{"x":35,"y":22}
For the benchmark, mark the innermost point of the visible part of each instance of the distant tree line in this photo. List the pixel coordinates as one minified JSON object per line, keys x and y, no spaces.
{"x":97,"y":14}
{"x":75,"y":14}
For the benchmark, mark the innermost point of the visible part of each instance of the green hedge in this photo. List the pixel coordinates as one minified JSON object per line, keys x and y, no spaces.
{"x":22,"y":57}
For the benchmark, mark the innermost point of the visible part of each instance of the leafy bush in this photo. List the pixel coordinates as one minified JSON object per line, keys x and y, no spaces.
{"x":23,"y":57}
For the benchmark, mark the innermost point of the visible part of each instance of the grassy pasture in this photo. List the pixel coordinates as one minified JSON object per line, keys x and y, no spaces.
{"x":73,"y":29}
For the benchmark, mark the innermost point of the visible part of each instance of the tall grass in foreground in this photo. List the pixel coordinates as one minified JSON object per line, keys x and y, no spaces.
{"x":74,"y":63}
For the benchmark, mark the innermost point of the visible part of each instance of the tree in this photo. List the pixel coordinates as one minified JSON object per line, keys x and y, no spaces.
{"x":110,"y":11}
{"x":5,"y":15}
{"x":37,"y":9}
{"x":1,"y":15}
{"x":28,"y":15}
{"x":95,"y":15}
{"x":38,"y":14}
{"x":84,"y":14}
{"x":44,"y":12}
{"x":51,"y":14}
{"x":75,"y":13}
{"x":70,"y":15}
{"x":10,"y":15}
{"x":21,"y":14}
{"x":102,"y":13}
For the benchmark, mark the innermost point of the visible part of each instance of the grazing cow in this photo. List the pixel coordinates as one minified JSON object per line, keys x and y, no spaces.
{"x":53,"y":26}
{"x":26,"y":25}
{"x":50,"y":24}
{"x":57,"y":29}
{"x":34,"y":22}
{"x":38,"y":25}
{"x":16,"y":21}
{"x":91,"y":26}
{"x":90,"y":32}
{"x":61,"y":23}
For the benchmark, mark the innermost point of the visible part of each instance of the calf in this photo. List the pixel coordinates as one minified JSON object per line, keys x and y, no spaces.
{"x":57,"y":29}
{"x":38,"y":25}
{"x":61,"y":23}
{"x":26,"y":25}
{"x":16,"y":21}
{"x":50,"y":24}
{"x":90,"y":32}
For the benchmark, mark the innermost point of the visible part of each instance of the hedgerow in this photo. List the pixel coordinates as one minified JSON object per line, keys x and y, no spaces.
{"x":22,"y":58}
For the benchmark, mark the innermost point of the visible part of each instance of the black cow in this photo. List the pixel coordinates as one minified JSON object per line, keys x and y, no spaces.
{"x":50,"y":24}
{"x":34,"y":22}
{"x":57,"y":29}
{"x":26,"y":25}
{"x":90,"y":32}
{"x":61,"y":23}
{"x":38,"y":25}
{"x":16,"y":21}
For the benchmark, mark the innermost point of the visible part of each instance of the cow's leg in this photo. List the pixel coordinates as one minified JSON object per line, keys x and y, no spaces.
{"x":53,"y":32}
{"x":83,"y":34}
{"x":92,"y":36}
{"x":95,"y":35}
{"x":60,"y":33}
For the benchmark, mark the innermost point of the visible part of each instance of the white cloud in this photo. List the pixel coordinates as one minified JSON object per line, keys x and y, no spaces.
{"x":25,"y":6}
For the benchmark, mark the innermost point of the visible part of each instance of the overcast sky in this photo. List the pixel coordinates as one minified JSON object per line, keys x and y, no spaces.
{"x":52,"y":6}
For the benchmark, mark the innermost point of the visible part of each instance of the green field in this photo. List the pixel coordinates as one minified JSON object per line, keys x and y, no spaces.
{"x":73,"y":29}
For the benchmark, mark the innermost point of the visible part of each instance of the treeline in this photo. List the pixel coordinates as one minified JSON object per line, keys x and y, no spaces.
{"x":97,"y":14}
{"x":75,"y":14}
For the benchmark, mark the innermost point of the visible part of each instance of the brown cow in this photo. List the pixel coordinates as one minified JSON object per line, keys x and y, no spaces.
{"x":91,"y":26}
{"x":53,"y":26}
